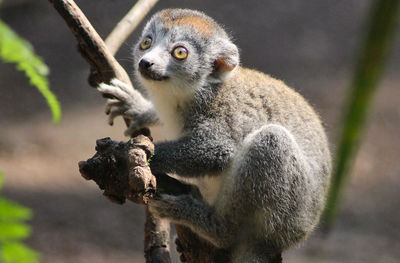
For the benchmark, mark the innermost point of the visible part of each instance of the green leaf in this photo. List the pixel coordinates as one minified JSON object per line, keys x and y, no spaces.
{"x":18,"y":253}
{"x":13,"y":231}
{"x":14,"y":49}
{"x":10,"y":211}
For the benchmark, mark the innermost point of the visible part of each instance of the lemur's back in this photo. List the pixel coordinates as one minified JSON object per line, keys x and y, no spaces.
{"x":250,"y":99}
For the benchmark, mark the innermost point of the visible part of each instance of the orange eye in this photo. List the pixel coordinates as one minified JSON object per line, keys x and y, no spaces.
{"x":180,"y":53}
{"x":146,"y":43}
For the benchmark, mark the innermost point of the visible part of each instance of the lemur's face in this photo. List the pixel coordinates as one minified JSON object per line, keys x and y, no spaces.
{"x":169,"y":54}
{"x":182,"y":47}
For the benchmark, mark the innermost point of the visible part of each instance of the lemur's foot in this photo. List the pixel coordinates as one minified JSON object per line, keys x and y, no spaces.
{"x":165,"y":206}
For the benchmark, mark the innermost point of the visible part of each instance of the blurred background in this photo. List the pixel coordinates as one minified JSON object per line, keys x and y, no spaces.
{"x":311,"y":45}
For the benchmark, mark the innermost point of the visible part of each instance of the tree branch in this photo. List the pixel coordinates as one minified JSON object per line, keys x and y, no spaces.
{"x":104,"y":66}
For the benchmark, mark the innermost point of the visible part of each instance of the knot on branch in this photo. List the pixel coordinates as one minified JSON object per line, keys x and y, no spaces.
{"x":121,"y":169}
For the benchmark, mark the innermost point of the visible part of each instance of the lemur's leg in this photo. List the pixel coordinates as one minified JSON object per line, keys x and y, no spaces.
{"x":270,"y":154}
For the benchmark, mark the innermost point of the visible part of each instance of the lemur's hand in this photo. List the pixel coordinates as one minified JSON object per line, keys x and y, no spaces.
{"x":128,"y":103}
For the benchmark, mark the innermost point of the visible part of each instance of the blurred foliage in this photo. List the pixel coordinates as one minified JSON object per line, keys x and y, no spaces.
{"x":369,"y":68}
{"x":13,"y":231}
{"x":14,"y":49}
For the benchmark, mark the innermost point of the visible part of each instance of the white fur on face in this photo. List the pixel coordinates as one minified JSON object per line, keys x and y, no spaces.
{"x":159,"y":57}
{"x":167,"y":96}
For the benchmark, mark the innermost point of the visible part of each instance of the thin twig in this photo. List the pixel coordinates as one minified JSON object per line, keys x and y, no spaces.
{"x":126,"y":26}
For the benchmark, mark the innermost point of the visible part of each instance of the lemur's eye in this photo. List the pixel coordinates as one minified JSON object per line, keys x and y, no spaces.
{"x":146,"y":43}
{"x":180,"y":53}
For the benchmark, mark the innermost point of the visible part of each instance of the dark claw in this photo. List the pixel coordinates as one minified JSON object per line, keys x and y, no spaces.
{"x":182,"y":258}
{"x":178,"y":244}
{"x":108,"y":96}
{"x":179,"y":249}
{"x":115,"y":199}
{"x":143,"y":131}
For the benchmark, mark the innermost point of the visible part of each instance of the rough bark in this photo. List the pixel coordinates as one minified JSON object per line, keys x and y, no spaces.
{"x":156,"y":240}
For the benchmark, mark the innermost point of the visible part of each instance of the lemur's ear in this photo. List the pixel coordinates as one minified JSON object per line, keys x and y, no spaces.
{"x":227,"y":58}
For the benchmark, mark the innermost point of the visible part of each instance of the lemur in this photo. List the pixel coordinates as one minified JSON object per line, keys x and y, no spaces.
{"x":254,"y":147}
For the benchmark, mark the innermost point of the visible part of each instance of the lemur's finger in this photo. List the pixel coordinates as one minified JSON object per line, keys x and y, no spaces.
{"x":132,"y":95}
{"x":112,"y":103}
{"x":122,"y":85}
{"x":112,"y":90}
{"x":113,"y":114}
{"x":134,"y":126}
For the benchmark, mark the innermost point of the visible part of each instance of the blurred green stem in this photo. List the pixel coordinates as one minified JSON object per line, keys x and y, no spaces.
{"x":370,"y":66}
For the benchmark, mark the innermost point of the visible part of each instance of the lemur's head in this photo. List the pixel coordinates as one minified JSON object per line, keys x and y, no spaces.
{"x":185,"y":48}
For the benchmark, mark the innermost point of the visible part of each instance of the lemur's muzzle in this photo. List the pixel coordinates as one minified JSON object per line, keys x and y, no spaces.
{"x":147,"y":70}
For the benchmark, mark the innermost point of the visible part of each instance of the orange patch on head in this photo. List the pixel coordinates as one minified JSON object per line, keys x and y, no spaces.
{"x":165,"y":14}
{"x":199,"y":23}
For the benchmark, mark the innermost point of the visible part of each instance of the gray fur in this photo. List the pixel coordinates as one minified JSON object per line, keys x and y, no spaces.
{"x":241,"y":136}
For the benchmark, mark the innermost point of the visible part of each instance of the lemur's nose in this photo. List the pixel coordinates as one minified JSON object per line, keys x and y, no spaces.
{"x":144,"y":64}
